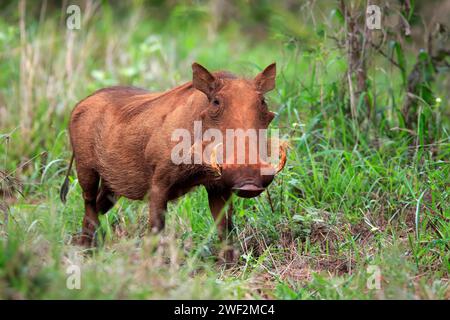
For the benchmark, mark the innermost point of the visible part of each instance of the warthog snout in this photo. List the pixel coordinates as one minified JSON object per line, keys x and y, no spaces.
{"x":248,"y":190}
{"x":248,"y":181}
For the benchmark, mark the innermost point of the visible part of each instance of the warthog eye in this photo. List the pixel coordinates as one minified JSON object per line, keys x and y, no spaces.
{"x":216,"y":102}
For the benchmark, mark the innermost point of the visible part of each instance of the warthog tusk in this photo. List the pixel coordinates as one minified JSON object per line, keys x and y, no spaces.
{"x":213,"y":160}
{"x":193,"y":151}
{"x":283,"y":147}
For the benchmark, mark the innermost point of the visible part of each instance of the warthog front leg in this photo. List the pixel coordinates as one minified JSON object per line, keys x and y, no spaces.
{"x":218,"y":199}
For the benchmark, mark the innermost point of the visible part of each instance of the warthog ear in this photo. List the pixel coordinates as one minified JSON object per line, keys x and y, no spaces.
{"x":265,"y":81}
{"x":203,"y":80}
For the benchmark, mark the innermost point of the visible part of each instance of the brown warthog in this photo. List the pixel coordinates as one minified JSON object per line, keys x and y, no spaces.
{"x":122,"y":140}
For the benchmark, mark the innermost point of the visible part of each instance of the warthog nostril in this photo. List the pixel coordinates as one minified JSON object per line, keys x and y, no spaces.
{"x":248,"y":190}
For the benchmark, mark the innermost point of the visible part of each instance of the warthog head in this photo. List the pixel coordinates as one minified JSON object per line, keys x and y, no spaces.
{"x":236,"y":121}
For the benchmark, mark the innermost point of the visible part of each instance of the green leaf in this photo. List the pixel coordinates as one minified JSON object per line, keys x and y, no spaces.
{"x":401,"y":60}
{"x":336,"y":13}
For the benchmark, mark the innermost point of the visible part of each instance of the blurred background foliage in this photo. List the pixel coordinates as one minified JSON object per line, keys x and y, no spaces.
{"x":366,"y":113}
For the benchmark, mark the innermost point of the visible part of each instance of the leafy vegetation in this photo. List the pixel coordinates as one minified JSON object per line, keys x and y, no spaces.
{"x":366,"y":184}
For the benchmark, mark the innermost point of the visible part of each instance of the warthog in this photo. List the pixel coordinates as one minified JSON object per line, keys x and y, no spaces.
{"x":122,"y":141}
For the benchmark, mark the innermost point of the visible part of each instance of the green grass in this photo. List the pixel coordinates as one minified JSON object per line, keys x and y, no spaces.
{"x":352,"y":195}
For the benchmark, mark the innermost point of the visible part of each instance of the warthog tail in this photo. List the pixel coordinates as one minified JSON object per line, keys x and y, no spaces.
{"x":65,"y":186}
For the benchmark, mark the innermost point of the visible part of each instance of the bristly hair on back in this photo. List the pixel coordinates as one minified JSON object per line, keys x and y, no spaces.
{"x":144,"y":99}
